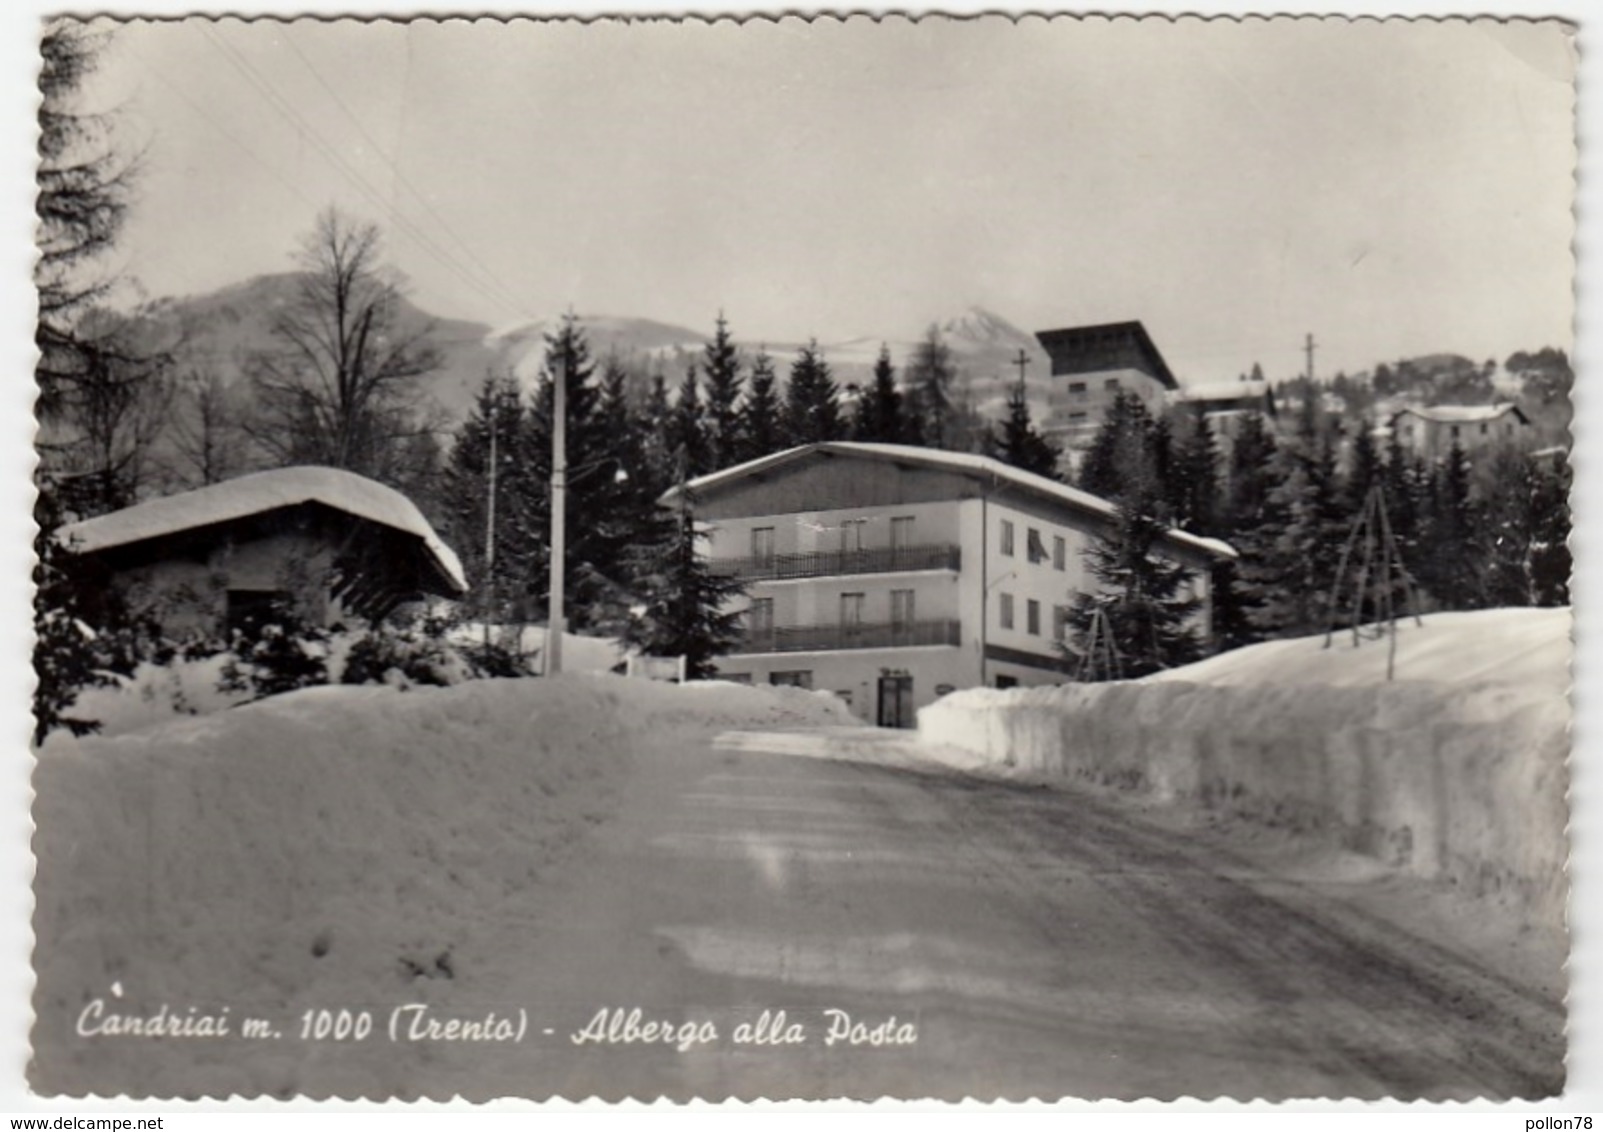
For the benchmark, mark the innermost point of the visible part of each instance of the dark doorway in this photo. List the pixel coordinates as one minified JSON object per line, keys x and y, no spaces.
{"x":896,"y":701}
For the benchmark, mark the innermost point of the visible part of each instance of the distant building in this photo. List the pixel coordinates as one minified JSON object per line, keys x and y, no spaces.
{"x":1225,"y":404}
{"x":1091,"y":365}
{"x":329,"y":544}
{"x":891,"y":575}
{"x":1430,"y":433}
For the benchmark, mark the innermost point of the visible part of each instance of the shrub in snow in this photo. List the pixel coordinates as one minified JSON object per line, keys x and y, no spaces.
{"x":276,"y":655}
{"x":390,"y":656}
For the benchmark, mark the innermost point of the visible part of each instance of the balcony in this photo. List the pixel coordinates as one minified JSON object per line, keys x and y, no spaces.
{"x":833,"y":563}
{"x":867,"y":635}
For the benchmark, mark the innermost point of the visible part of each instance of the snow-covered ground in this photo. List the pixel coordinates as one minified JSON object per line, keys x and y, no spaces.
{"x":1455,"y":771}
{"x":1521,"y":649}
{"x":337,"y":843}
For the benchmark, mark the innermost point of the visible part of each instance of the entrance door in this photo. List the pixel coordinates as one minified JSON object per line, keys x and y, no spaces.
{"x":896,"y":701}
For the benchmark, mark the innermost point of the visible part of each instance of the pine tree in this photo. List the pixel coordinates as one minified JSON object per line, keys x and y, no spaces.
{"x":1195,"y":481}
{"x":1019,"y":444}
{"x":1453,"y":556}
{"x":683,"y":604}
{"x":931,"y":374}
{"x":880,"y":410}
{"x":761,"y":425}
{"x":1550,"y":562}
{"x":498,"y":413}
{"x":1289,"y":560}
{"x":1142,"y":605}
{"x":722,"y":414}
{"x":687,"y":428}
{"x":812,"y":403}
{"x":1246,"y":521}
{"x":1121,"y":451}
{"x":657,"y":451}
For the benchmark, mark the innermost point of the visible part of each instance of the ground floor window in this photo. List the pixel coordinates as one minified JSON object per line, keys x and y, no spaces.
{"x":1005,"y":681}
{"x":799,"y":679}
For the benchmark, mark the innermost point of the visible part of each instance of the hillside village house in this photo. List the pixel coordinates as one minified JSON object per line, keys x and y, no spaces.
{"x":334,"y":546}
{"x":1430,"y":433}
{"x":1091,"y":365}
{"x":1225,"y":405}
{"x":892,"y":575}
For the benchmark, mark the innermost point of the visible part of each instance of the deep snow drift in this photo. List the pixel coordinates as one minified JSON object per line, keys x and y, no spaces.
{"x":333,"y":844}
{"x":1455,"y":771}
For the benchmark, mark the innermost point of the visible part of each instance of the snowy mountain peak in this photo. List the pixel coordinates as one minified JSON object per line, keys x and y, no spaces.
{"x":983,"y":327}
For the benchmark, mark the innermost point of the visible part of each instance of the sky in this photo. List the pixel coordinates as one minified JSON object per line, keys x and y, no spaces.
{"x":1391,"y":188}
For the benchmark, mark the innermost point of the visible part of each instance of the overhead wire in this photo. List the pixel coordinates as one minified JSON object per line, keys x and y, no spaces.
{"x":309,"y":133}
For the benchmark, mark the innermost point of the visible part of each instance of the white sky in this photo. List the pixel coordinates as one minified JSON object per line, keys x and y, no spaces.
{"x":1395,"y":188}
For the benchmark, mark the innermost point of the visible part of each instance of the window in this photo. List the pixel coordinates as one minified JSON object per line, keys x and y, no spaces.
{"x":1076,"y":416}
{"x":1034,"y":548}
{"x":1483,"y":428}
{"x":1111,"y":383}
{"x":1060,"y":622}
{"x":1004,"y":681}
{"x":1077,"y":388}
{"x":760,"y":617}
{"x":1408,"y":431}
{"x":901,"y":609}
{"x":1007,"y":538}
{"x":802,"y":679}
{"x":762,"y":544}
{"x":851,"y":611}
{"x":1060,"y":553}
{"x":1005,"y":611}
{"x":844,"y":695}
{"x":1455,"y":432}
{"x":901,"y":532}
{"x":851,"y":535}
{"x":1032,"y":617}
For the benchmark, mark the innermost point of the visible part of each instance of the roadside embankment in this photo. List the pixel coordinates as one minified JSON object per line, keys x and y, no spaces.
{"x":1455,"y":771}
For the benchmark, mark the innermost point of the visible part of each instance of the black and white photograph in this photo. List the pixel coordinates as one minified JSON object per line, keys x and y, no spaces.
{"x":802,"y":559}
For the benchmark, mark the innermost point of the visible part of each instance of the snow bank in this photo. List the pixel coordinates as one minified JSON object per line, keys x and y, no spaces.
{"x":1457,"y":770}
{"x":335,"y":844}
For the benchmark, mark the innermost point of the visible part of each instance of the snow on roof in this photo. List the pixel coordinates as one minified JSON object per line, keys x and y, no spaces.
{"x":257,"y":493}
{"x":1223,"y":390}
{"x":1460,"y":414}
{"x":965,"y":462}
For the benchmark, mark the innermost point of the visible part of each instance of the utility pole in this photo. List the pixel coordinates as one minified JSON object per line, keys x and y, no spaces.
{"x":1021,"y":361}
{"x":559,"y":515}
{"x":1308,"y":348}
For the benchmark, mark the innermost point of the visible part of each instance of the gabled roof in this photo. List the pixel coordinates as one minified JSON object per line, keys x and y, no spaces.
{"x":256,"y":494}
{"x":965,"y":463}
{"x":1462,"y":414}
{"x":1064,"y":342}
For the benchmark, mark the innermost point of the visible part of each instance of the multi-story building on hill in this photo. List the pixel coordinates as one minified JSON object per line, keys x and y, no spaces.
{"x":1091,"y":365}
{"x":892,"y":575}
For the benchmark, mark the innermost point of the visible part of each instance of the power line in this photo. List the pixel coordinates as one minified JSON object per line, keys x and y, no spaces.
{"x":286,"y":111}
{"x":395,"y":169}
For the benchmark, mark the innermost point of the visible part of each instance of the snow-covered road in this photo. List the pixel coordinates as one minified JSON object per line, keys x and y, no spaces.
{"x":1042,"y":944}
{"x":1030,"y":942}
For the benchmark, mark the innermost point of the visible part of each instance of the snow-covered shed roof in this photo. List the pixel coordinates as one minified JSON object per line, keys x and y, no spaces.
{"x":963,"y":462}
{"x":1462,"y":414}
{"x":256,"y":494}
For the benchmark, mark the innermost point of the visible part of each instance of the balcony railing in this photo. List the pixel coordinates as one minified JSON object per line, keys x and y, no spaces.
{"x":867,"y":635}
{"x":827,"y":563}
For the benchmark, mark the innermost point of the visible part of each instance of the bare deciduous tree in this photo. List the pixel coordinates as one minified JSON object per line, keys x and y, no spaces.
{"x":341,"y":387}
